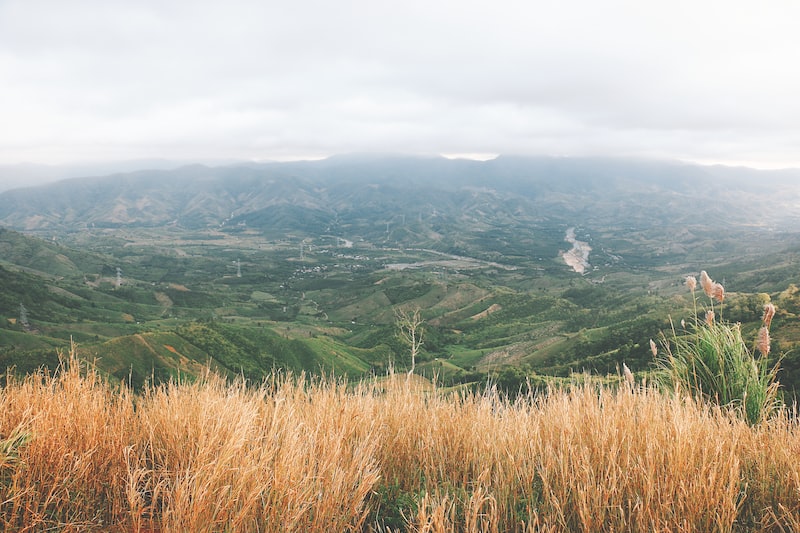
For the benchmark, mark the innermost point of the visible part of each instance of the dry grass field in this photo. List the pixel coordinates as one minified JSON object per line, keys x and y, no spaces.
{"x":305,"y":455}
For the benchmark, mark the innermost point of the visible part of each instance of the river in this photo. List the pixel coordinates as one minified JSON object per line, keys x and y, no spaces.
{"x":577,"y":257}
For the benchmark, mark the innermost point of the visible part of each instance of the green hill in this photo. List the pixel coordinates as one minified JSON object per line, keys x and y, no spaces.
{"x":302,"y":266}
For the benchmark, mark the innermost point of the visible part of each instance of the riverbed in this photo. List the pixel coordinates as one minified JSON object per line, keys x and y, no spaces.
{"x":577,"y":257}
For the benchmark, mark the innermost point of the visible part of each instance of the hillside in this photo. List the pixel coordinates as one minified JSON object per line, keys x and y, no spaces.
{"x":300,"y":266}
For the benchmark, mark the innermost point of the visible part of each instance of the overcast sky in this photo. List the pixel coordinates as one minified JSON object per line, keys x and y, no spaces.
{"x":691,"y":80}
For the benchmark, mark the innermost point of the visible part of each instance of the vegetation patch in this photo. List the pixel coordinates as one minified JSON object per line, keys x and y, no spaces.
{"x":314,"y":455}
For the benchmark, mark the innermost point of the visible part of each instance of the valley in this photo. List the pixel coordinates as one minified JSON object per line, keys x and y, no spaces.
{"x":577,"y":257}
{"x":309,"y":277}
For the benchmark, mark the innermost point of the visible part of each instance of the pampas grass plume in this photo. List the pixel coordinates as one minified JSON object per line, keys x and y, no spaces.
{"x":691,"y":282}
{"x":653,"y":348}
{"x":707,"y":283}
{"x":628,"y":374}
{"x":710,"y":317}
{"x":719,"y":292}
{"x":769,"y":313}
{"x":763,"y":341}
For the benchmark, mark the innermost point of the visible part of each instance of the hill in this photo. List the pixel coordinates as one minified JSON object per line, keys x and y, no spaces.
{"x":521,"y":266}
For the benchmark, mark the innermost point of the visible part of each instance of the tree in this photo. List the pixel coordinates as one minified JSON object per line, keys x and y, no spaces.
{"x":410,"y":331}
{"x":23,"y":318}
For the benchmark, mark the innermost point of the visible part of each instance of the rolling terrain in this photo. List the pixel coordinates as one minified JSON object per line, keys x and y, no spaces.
{"x":300,"y":266}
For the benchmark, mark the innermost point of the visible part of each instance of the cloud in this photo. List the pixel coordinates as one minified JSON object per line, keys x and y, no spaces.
{"x":710,"y":81}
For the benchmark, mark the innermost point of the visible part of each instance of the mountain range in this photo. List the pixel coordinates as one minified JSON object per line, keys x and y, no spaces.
{"x":384,"y":189}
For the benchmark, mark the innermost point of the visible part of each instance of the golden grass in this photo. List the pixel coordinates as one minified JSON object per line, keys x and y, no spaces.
{"x":317,"y":455}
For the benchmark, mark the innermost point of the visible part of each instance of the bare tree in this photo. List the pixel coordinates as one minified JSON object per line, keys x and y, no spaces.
{"x":410,"y":331}
{"x":23,"y":318}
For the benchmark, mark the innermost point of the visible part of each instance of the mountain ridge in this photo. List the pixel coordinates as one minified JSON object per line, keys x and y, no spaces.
{"x":199,"y":196}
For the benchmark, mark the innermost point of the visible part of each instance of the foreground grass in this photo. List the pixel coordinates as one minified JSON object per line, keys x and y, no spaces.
{"x":79,"y":454}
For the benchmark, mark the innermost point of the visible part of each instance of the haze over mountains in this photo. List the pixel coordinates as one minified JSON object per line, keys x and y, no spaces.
{"x":362,"y":191}
{"x":30,"y":174}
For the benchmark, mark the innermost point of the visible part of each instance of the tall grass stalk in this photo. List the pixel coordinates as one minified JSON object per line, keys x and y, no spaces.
{"x":712,"y":361}
{"x":318,"y":455}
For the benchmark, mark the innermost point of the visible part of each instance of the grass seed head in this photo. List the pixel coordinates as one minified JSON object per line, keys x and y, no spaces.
{"x":719,"y":292}
{"x":763,"y":341}
{"x":691,"y":282}
{"x":707,"y":283}
{"x":628,"y":374}
{"x":710,"y":317}
{"x":769,"y":313}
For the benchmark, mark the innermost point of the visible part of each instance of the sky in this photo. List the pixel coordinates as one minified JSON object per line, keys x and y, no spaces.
{"x":105,"y":80}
